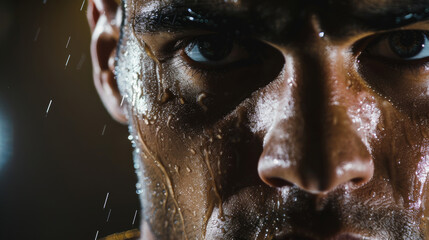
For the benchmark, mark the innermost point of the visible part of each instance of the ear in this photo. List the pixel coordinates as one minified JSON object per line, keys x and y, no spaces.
{"x":104,"y":17}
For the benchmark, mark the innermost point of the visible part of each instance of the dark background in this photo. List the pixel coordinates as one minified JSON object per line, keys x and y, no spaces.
{"x":56,"y":168}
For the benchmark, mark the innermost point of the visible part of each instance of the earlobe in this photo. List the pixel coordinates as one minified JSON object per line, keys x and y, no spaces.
{"x":104,"y":21}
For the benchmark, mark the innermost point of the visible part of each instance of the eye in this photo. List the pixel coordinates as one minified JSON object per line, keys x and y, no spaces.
{"x":215,"y":50}
{"x":395,"y":64}
{"x":401,"y":45}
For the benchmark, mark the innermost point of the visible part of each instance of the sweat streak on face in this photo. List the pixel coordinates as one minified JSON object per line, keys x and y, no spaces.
{"x":307,"y":141}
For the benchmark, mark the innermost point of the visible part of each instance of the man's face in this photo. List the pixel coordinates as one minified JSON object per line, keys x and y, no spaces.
{"x":279,"y":119}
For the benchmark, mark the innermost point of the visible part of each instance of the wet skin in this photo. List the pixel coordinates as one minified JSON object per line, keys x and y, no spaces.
{"x":312,"y":125}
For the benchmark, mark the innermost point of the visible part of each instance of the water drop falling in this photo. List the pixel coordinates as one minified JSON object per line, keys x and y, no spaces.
{"x":67,"y":62}
{"x":134,"y":219}
{"x":37,"y":34}
{"x":83,"y":3}
{"x":49,"y":107}
{"x":81,"y":61}
{"x":122,"y":101}
{"x":105,"y":201}
{"x":104,"y":130}
{"x":108,"y":215}
{"x":68,"y":42}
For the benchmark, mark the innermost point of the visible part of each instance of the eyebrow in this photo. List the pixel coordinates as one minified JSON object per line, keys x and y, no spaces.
{"x":224,"y":18}
{"x":177,"y":18}
{"x":391,"y":19}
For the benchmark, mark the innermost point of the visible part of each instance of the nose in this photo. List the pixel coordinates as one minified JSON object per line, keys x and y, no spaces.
{"x":312,"y":142}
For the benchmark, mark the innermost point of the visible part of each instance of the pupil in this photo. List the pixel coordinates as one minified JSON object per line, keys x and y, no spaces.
{"x":215,"y":48}
{"x":407,"y":44}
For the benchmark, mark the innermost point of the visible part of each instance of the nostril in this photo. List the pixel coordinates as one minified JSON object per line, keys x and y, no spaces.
{"x":279,"y":182}
{"x":358,"y":181}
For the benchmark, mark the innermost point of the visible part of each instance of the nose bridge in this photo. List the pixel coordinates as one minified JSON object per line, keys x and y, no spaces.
{"x":325,"y":121}
{"x":324,"y":101}
{"x":331,"y":152}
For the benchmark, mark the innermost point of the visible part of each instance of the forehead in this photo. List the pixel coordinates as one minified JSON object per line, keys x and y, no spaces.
{"x":275,"y":9}
{"x":272,"y":20}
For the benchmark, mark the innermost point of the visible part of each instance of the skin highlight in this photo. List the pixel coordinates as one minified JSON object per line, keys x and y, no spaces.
{"x":307,"y":136}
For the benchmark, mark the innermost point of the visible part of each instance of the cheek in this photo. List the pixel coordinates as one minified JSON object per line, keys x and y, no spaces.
{"x":174,"y":177}
{"x":186,"y":171}
{"x":401,"y":157}
{"x":173,"y":190}
{"x":136,"y":76}
{"x":365,"y":116}
{"x":423,"y":188}
{"x":397,"y":140}
{"x":421,"y":178}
